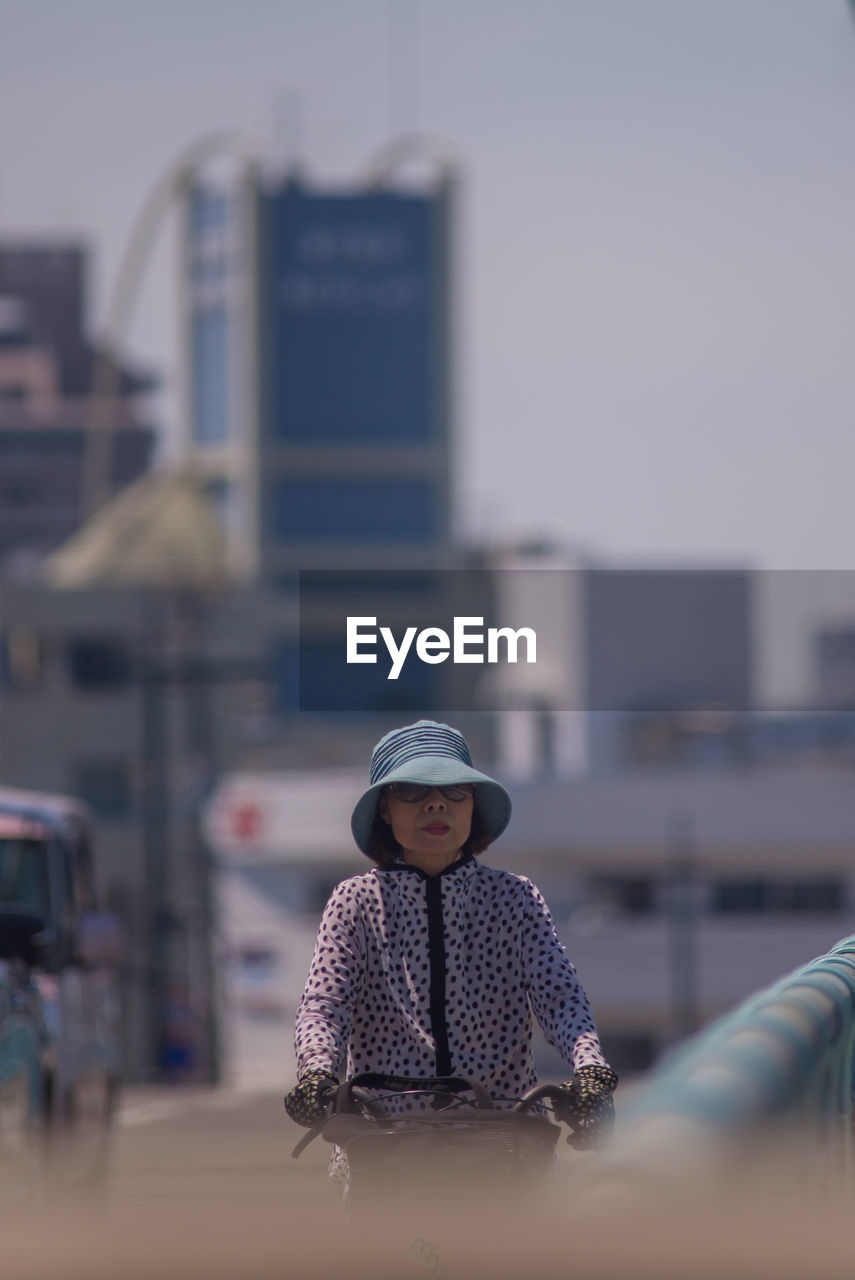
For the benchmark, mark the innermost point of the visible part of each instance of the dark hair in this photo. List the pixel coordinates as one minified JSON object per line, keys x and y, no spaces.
{"x":383,"y":848}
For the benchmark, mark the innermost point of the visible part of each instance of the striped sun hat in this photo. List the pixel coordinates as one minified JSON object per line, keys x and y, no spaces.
{"x":434,"y":754}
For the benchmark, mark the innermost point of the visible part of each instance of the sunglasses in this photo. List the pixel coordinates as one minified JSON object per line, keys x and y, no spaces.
{"x":412,"y":792}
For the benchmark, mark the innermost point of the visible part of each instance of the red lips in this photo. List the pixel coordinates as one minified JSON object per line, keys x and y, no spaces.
{"x":437,"y":829}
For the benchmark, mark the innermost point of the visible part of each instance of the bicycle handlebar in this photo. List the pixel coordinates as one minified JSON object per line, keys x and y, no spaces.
{"x":352,"y":1096}
{"x":345,"y":1096}
{"x":553,"y":1092}
{"x":354,"y":1091}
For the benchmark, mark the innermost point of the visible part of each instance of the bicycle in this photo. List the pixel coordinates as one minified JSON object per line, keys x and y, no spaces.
{"x":438,"y":1152}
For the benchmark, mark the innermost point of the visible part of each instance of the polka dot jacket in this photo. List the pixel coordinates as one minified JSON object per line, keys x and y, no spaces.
{"x":439,"y":975}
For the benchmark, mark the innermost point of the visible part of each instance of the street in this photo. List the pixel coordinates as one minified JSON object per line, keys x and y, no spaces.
{"x":202,"y":1184}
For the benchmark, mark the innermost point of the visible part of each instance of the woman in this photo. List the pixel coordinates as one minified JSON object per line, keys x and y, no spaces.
{"x":432,"y":963}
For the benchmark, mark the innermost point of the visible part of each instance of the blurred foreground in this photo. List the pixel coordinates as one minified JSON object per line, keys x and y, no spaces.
{"x":202,"y":1184}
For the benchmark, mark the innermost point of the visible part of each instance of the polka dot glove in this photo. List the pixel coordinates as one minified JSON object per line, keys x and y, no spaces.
{"x":307,"y":1101}
{"x":588,"y":1107}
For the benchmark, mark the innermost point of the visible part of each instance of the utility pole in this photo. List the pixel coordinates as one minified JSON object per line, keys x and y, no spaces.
{"x":199,"y":681}
{"x":178,"y":671}
{"x":156,"y":825}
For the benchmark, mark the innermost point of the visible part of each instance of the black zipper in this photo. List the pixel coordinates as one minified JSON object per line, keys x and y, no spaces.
{"x":437,"y":958}
{"x":436,"y":952}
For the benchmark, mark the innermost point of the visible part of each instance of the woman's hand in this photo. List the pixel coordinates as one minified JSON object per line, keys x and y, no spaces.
{"x":307,"y":1102}
{"x":588,"y":1107}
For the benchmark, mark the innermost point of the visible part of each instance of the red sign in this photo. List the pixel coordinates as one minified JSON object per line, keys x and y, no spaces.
{"x":246,"y":821}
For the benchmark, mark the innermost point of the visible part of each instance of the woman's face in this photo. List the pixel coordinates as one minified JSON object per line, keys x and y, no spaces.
{"x":434,"y":828}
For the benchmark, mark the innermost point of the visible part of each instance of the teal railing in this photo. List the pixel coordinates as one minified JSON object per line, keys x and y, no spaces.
{"x":786,"y":1056}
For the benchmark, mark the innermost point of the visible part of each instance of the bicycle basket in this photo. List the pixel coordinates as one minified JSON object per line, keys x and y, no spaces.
{"x":438,"y":1149}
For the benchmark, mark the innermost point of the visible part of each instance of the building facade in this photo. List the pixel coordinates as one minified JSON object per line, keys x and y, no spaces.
{"x":48,"y":416}
{"x":319,"y":373}
{"x":320,"y":407}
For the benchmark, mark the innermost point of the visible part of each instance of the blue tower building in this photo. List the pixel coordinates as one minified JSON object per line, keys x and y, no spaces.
{"x":319,"y":383}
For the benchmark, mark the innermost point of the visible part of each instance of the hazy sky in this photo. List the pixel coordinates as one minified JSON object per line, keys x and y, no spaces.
{"x":656,"y":295}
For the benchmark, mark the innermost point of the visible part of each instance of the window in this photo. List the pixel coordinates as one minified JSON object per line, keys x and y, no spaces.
{"x":826,"y":897}
{"x":630,"y":895}
{"x":317,"y":677}
{"x":356,"y":318}
{"x":797,"y":896}
{"x":24,"y":874}
{"x":20,"y":493}
{"x":105,"y":785}
{"x":210,"y":211}
{"x":834,"y":648}
{"x":97,"y":662}
{"x":339,"y":509}
{"x":211,"y":375}
{"x":739,"y":897}
{"x":325,"y":584}
{"x":21,"y":659}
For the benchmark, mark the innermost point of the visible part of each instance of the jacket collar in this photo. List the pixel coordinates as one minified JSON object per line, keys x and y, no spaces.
{"x":465,"y":860}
